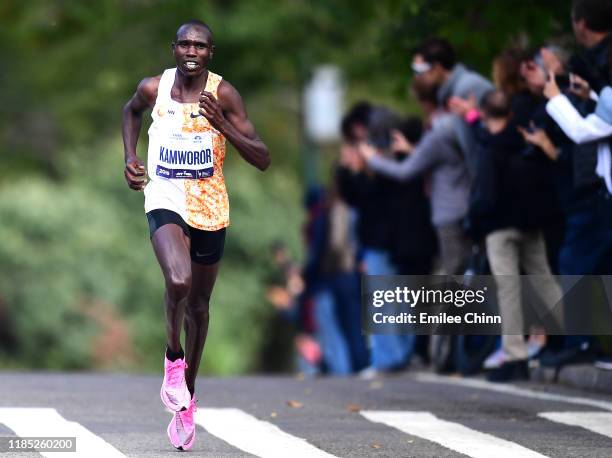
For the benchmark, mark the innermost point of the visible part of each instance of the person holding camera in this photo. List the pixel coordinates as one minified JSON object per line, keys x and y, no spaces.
{"x":439,"y":155}
{"x":596,"y":127}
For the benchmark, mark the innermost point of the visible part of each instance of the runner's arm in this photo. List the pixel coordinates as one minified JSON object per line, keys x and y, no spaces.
{"x":228,"y":115}
{"x":143,"y":98}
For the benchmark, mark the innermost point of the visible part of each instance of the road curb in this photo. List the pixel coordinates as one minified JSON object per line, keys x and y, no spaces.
{"x":583,"y":376}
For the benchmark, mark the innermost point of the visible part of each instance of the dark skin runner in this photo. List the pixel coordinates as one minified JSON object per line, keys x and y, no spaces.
{"x":189,"y":285}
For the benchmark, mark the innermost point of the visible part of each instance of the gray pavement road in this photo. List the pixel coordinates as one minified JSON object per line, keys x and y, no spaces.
{"x":432,"y":416}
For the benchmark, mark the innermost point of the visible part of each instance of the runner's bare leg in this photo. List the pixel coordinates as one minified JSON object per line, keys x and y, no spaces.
{"x":171,"y":247}
{"x":196,"y":317}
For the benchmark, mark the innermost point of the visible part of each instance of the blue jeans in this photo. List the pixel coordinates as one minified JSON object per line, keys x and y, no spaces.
{"x":587,"y":248}
{"x":347,"y":293}
{"x":587,"y":245}
{"x":387,"y":351}
{"x":334,"y":346}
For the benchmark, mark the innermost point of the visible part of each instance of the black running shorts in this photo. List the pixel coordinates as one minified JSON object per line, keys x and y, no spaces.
{"x":206,"y":246}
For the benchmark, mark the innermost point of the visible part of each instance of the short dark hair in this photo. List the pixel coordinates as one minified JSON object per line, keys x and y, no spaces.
{"x":495,"y":104}
{"x":382,"y":121}
{"x":597,"y":14}
{"x":411,"y":128}
{"x":358,"y":114}
{"x":438,"y":50}
{"x":195,"y":23}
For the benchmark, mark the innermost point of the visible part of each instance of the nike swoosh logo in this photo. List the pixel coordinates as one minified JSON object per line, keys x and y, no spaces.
{"x":195,"y":115}
{"x":201,"y":255}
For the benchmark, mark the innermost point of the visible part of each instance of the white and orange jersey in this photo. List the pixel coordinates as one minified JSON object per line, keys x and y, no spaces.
{"x":185,"y":160}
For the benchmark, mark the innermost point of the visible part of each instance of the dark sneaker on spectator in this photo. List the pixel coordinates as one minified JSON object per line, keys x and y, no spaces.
{"x":510,"y":371}
{"x":575,"y":355}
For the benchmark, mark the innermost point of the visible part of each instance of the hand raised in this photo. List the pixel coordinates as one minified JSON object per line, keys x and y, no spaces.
{"x":579,"y":86}
{"x":211,"y":109}
{"x":551,"y":89}
{"x":461,"y":106}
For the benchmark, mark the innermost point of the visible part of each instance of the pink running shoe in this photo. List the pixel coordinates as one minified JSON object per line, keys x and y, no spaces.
{"x":174,"y":393}
{"x":181,"y":430}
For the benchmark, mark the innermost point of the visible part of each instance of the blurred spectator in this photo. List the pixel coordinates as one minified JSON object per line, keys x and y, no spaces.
{"x":333,"y":282}
{"x":435,"y":64}
{"x":591,"y":21}
{"x":595,"y":127}
{"x":525,"y":100}
{"x":284,"y":291}
{"x":371,"y":196}
{"x":587,"y":244}
{"x":436,"y":153}
{"x":327,"y":328}
{"x":513,"y":207}
{"x":506,"y":73}
{"x":414,"y":240}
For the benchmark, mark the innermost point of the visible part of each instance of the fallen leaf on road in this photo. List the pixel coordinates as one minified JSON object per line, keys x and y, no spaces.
{"x":353,"y":407}
{"x":375,"y":445}
{"x":273,"y":414}
{"x":295,"y":404}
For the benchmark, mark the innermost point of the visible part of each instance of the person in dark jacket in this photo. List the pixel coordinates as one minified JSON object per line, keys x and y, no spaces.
{"x":414,"y":239}
{"x":373,"y":197}
{"x":591,"y":21}
{"x":514,"y":205}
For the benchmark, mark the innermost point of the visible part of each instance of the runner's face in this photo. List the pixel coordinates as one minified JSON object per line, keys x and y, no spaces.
{"x":192,"y":50}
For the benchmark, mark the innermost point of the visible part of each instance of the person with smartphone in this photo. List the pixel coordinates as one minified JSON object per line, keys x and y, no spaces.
{"x":596,"y":126}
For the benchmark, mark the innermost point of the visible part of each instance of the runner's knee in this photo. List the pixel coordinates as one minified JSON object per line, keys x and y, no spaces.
{"x":178,"y":286}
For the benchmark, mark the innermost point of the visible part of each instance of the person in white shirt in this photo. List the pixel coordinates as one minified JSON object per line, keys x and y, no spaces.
{"x":595,"y":127}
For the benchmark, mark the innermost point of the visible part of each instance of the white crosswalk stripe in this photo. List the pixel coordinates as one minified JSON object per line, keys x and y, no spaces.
{"x":451,"y":435}
{"x":46,"y":422}
{"x":254,"y":436}
{"x":598,"y":422}
{"x":261,"y":438}
{"x":513,"y":390}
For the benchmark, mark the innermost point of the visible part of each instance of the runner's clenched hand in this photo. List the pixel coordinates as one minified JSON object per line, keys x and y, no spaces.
{"x":135,"y":173}
{"x":211,"y":110}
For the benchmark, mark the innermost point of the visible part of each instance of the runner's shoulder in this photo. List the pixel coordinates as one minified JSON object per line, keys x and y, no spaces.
{"x":147,"y":89}
{"x":227,"y":94}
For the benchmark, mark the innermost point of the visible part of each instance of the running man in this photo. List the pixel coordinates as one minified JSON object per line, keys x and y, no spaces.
{"x":194,"y":111}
